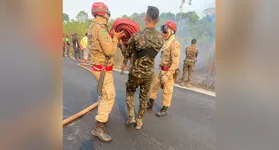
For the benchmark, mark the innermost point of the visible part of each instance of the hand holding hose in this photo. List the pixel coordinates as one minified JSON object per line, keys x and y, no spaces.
{"x":118,"y":35}
{"x":120,"y":42}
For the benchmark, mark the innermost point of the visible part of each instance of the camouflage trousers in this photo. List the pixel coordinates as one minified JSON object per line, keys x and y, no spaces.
{"x":131,"y":85}
{"x":188,"y":67}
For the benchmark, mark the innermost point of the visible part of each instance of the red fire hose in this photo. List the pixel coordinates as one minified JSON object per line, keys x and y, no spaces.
{"x":128,"y":26}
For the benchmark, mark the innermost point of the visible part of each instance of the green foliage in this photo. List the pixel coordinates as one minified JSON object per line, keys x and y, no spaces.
{"x":82,"y":16}
{"x":190,"y":2}
{"x":66,"y":17}
{"x":138,"y":18}
{"x":76,"y":27}
{"x":191,"y":25}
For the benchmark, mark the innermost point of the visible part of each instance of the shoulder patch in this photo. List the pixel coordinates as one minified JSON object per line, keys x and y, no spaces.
{"x":107,"y":38}
{"x":104,"y":32}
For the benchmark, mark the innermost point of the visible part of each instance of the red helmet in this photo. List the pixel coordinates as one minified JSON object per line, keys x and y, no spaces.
{"x":67,"y":35}
{"x":99,"y":8}
{"x":171,"y":24}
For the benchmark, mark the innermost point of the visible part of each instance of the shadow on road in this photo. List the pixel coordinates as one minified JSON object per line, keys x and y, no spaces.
{"x":120,"y":101}
{"x":87,"y":144}
{"x":94,"y":96}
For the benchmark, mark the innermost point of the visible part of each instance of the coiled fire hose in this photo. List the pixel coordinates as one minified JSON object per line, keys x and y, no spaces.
{"x":129,"y":27}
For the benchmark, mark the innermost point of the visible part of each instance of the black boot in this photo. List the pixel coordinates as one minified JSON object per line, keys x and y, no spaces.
{"x":99,"y":132}
{"x":150,"y":104}
{"x":162,"y":112}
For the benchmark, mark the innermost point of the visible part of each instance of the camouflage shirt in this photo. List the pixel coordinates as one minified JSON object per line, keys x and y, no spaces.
{"x":191,"y":52}
{"x":149,"y":40}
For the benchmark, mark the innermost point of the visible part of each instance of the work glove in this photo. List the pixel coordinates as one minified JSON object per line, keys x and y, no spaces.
{"x":118,"y":35}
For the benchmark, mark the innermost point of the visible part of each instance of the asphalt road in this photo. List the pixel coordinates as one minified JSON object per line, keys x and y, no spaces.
{"x":189,"y":125}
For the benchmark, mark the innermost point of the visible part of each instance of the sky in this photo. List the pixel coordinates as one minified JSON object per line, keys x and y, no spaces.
{"x":128,"y":7}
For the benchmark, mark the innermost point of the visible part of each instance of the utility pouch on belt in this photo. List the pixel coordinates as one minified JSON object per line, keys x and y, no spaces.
{"x":176,"y":73}
{"x":102,"y":79}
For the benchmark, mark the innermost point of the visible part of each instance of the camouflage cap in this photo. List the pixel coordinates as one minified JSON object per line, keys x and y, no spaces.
{"x":152,"y":12}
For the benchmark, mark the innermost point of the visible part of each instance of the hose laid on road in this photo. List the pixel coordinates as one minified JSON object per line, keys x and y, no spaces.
{"x":79,"y":114}
{"x":128,"y":26}
{"x":84,"y":111}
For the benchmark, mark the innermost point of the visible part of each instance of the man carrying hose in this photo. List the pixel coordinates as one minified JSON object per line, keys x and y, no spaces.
{"x":145,"y":45}
{"x":169,"y":68}
{"x":102,"y":47}
{"x":76,"y":46}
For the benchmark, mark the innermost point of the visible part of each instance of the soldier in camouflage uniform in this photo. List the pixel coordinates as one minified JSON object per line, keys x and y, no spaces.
{"x":145,"y":45}
{"x":102,"y":47}
{"x":189,"y":62}
{"x":169,"y":64}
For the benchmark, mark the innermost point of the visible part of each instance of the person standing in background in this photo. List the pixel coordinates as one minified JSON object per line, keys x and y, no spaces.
{"x":68,"y":44}
{"x":63,"y":45}
{"x":189,"y":62}
{"x":83,"y":43}
{"x":76,"y":47}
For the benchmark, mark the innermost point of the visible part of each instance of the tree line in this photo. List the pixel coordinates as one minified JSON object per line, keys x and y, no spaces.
{"x":191,"y":25}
